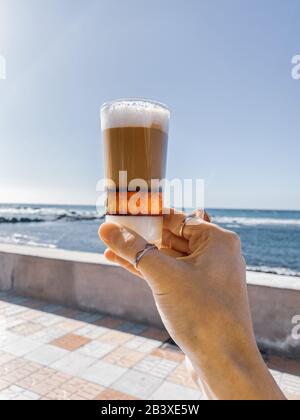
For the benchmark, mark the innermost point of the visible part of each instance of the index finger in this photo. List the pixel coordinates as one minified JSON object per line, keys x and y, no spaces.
{"x":175,"y":223}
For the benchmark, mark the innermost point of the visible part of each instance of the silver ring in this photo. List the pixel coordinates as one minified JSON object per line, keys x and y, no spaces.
{"x":186,"y":220}
{"x":142,"y":253}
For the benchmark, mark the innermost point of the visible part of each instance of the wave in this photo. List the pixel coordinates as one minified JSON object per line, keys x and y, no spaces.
{"x":281,"y":271}
{"x":18,"y":215}
{"x":15,"y":220}
{"x":19,"y":239}
{"x":254,"y":221}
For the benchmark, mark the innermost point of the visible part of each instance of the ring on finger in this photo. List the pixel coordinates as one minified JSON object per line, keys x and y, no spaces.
{"x":140,"y":255}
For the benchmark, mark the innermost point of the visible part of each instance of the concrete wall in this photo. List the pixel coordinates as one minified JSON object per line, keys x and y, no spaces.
{"x":88,"y":282}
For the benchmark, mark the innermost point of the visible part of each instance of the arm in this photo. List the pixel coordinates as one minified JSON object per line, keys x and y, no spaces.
{"x":199,"y":283}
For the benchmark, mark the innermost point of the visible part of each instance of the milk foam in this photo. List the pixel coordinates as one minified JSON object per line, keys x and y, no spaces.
{"x":135,"y":113}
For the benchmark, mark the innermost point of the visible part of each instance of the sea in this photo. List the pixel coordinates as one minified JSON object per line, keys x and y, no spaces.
{"x":270,"y":239}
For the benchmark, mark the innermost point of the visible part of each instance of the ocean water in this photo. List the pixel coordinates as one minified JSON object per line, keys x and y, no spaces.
{"x":271,"y":239}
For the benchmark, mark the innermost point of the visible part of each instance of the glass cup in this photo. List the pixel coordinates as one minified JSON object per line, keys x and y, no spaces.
{"x":135,"y":135}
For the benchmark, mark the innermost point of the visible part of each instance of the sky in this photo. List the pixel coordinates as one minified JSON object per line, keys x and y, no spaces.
{"x":223,"y":67}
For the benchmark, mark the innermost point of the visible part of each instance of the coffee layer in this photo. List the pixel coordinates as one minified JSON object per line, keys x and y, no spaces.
{"x":140,"y":151}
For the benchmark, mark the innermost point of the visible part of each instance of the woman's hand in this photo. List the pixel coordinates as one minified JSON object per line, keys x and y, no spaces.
{"x":199,"y":285}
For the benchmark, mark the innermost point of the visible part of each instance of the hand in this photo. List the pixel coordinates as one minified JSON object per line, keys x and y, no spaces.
{"x":199,"y":285}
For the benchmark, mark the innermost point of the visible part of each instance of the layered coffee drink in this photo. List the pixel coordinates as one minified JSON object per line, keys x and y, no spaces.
{"x":135,"y":136}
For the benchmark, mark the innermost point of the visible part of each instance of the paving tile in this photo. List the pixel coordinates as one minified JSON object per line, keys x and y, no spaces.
{"x":115,"y":337}
{"x":14,"y":310}
{"x":112,"y":395}
{"x":58,"y":394}
{"x":71,"y":342}
{"x":96,"y":349}
{"x":75,"y":389}
{"x":7,"y":338}
{"x":48,"y":320}
{"x":180,"y":376}
{"x":6,"y":357}
{"x":44,"y":381}
{"x":17,"y":370}
{"x":137,"y":384}
{"x":29,"y":396}
{"x":155,"y":366}
{"x":46,"y":354}
{"x":22,"y":347}
{"x":124,"y":357}
{"x":277,"y":376}
{"x":81,"y":389}
{"x":26,"y":329}
{"x":92,"y":331}
{"x":171,"y":391}
{"x":290,"y":384}
{"x":109,"y":358}
{"x":18,"y":393}
{"x":142,"y":344}
{"x":11,"y":366}
{"x":69,"y":326}
{"x":102,"y":373}
{"x":73,"y":363}
{"x":11,"y":322}
{"x":29,"y":315}
{"x":3,"y":385}
{"x":173,"y":355}
{"x":11,"y":393}
{"x":47,"y":335}
{"x":292,"y":397}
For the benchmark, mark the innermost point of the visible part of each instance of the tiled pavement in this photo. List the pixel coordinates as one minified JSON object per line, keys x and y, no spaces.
{"x":50,"y":352}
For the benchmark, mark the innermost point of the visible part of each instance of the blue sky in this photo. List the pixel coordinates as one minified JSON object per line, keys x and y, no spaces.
{"x":223,"y":67}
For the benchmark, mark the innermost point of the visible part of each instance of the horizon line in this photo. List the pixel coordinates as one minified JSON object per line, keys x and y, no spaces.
{"x":94,"y":205}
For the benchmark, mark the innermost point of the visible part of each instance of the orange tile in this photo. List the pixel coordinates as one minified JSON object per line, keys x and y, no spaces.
{"x":71,"y":342}
{"x":111,"y":395}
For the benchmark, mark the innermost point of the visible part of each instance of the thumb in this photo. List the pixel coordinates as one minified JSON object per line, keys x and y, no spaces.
{"x":154,"y":266}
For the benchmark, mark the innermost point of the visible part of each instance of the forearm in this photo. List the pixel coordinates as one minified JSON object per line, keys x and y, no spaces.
{"x":226,"y":376}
